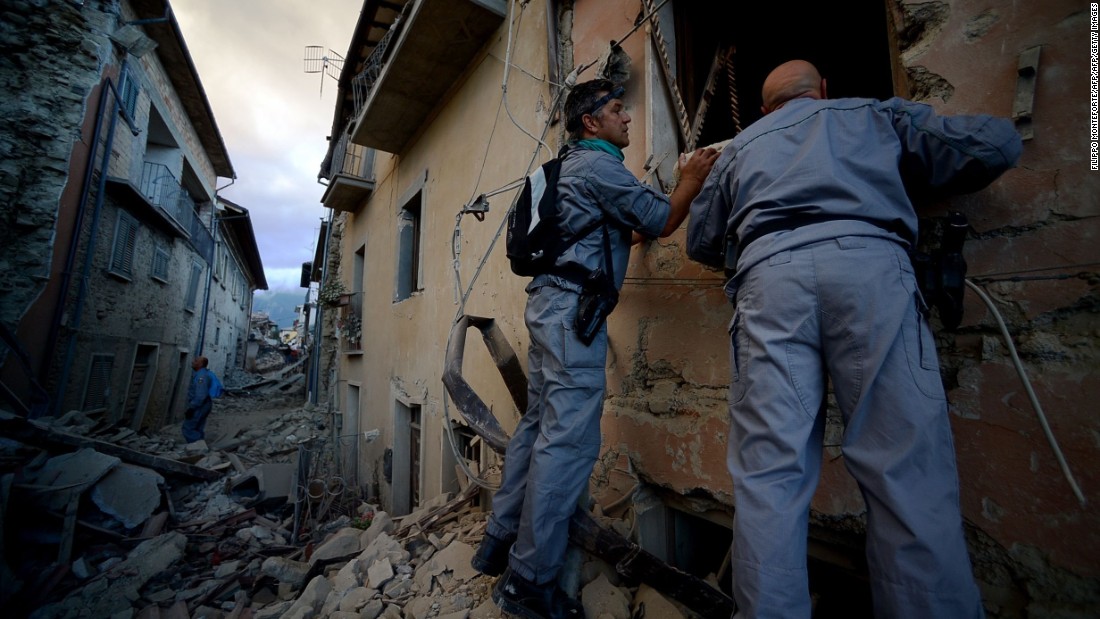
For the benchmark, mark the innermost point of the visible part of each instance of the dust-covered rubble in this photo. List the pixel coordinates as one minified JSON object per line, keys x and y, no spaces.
{"x":245,"y":543}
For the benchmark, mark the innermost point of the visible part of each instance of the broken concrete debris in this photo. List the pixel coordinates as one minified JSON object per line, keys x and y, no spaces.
{"x":159,"y":543}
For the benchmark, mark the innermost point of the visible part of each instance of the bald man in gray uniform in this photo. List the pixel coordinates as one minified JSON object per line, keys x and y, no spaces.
{"x":809,"y":207}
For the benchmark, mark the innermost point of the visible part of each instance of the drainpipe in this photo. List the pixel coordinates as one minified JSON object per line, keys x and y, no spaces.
{"x":214,"y":221}
{"x":89,"y":254}
{"x":74,"y":241}
{"x":70,"y":257}
{"x":209,"y":277}
{"x":315,"y":367}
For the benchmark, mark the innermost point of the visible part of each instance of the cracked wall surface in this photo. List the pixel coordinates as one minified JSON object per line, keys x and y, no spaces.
{"x":1032,"y":248}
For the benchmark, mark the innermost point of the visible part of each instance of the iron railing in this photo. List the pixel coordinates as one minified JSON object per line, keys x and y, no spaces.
{"x":353,"y":159}
{"x":161,"y":188}
{"x":362,"y":83}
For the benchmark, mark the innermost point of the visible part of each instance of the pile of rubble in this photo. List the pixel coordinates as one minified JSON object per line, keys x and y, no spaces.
{"x":124,"y":524}
{"x":392,"y":569}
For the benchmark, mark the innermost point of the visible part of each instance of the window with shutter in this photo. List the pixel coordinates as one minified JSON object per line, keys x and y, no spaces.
{"x":193,"y":286}
{"x":160,"y":265}
{"x":98,"y":387}
{"x":409,"y":278}
{"x":128,"y":91}
{"x":122,"y":252}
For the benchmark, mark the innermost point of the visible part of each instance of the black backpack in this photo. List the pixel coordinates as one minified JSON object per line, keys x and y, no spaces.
{"x":534,"y":238}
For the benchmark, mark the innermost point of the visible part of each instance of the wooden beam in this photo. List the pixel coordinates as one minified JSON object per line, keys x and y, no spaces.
{"x":39,"y":435}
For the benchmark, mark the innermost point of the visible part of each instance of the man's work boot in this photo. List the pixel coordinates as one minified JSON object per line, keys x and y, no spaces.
{"x":520,"y":597}
{"x":491,"y":557}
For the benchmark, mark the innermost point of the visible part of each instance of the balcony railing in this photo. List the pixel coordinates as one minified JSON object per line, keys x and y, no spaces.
{"x":362,"y":83}
{"x":353,"y":159}
{"x":161,"y":188}
{"x":407,"y":75}
{"x":201,"y":240}
{"x":351,"y":176}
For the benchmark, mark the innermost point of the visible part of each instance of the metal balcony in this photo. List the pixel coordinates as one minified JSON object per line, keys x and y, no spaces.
{"x":409,"y":73}
{"x":162,"y":190}
{"x":351,"y":181}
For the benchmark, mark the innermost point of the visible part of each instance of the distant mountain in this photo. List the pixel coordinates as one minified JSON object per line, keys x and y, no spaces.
{"x":279,"y":305}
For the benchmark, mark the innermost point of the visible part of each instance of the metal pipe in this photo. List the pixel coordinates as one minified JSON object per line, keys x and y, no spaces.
{"x":209,"y":276}
{"x":89,"y":253}
{"x":74,"y":241}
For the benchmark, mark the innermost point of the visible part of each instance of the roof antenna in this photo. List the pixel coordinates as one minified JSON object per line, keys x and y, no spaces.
{"x":317,"y":61}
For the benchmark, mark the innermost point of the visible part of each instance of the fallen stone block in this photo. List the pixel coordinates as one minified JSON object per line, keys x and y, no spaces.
{"x":125,"y":579}
{"x":311,"y":600}
{"x":455,"y":558}
{"x":266,"y":482}
{"x":356,"y":599}
{"x":129,"y":493}
{"x":343,"y":543}
{"x":71,"y":472}
{"x":656,"y":605}
{"x":379,"y":573}
{"x":602,"y":599}
{"x":285,"y":570}
{"x":372,"y":609}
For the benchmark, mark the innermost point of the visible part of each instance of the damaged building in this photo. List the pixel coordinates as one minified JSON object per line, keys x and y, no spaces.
{"x":444,"y":106}
{"x":120,"y":261}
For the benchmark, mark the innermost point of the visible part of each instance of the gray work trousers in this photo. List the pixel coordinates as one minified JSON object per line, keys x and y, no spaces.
{"x":555,"y":445}
{"x":848,"y":308}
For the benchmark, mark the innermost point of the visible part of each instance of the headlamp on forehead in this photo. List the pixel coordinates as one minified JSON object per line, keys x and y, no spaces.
{"x":617,"y":93}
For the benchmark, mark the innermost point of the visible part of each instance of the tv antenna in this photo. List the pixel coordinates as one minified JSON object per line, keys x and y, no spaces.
{"x":317,"y":61}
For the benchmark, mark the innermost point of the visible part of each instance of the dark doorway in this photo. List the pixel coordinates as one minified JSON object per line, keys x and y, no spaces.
{"x":848,"y":44}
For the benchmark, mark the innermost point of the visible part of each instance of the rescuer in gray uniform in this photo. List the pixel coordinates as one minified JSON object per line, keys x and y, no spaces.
{"x":556,"y":442}
{"x":812,"y":197}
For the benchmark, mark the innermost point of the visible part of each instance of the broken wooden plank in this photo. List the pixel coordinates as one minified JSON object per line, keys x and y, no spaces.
{"x":439,"y":515}
{"x":628,"y":558}
{"x":68,"y":529}
{"x":236,"y":461}
{"x":41,"y":435}
{"x":231,"y":520}
{"x":634,"y":563}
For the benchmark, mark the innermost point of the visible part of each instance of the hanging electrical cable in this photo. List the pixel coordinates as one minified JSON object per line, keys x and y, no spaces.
{"x":504,"y":80}
{"x":472,"y":205}
{"x":1030,"y":392}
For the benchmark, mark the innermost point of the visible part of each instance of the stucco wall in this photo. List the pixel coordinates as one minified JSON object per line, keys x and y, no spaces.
{"x":405,"y":342}
{"x":665,"y":418}
{"x":1036,"y":251}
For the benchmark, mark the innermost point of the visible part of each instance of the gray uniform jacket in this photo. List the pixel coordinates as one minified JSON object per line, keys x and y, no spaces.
{"x":844,"y":166}
{"x":593,"y":185}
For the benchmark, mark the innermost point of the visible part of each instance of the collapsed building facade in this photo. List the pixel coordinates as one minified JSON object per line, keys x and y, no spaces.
{"x":442,"y":108}
{"x":120,"y":261}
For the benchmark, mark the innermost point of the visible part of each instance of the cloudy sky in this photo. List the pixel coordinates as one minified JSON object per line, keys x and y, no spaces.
{"x":273,"y":116}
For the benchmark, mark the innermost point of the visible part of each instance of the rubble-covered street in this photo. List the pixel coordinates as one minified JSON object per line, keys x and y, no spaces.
{"x":130,"y":524}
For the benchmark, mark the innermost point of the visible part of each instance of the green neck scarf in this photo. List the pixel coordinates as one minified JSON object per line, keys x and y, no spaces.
{"x":602,"y":145}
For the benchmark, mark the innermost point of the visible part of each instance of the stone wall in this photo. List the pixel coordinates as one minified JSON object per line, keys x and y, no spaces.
{"x":52,"y":55}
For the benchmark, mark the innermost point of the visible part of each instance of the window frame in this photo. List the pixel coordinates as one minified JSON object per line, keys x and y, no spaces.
{"x":409,"y":265}
{"x":190,"y":301}
{"x":161,"y":257}
{"x":123,"y":248}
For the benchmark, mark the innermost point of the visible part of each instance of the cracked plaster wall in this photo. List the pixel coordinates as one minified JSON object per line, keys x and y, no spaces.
{"x":1034,"y":546}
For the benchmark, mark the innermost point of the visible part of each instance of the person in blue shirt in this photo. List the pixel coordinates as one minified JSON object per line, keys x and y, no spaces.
{"x":809,"y":207}
{"x":199,"y":402}
{"x":555,"y":445}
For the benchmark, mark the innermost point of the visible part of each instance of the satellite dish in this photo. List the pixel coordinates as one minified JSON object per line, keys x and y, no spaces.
{"x":317,"y":61}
